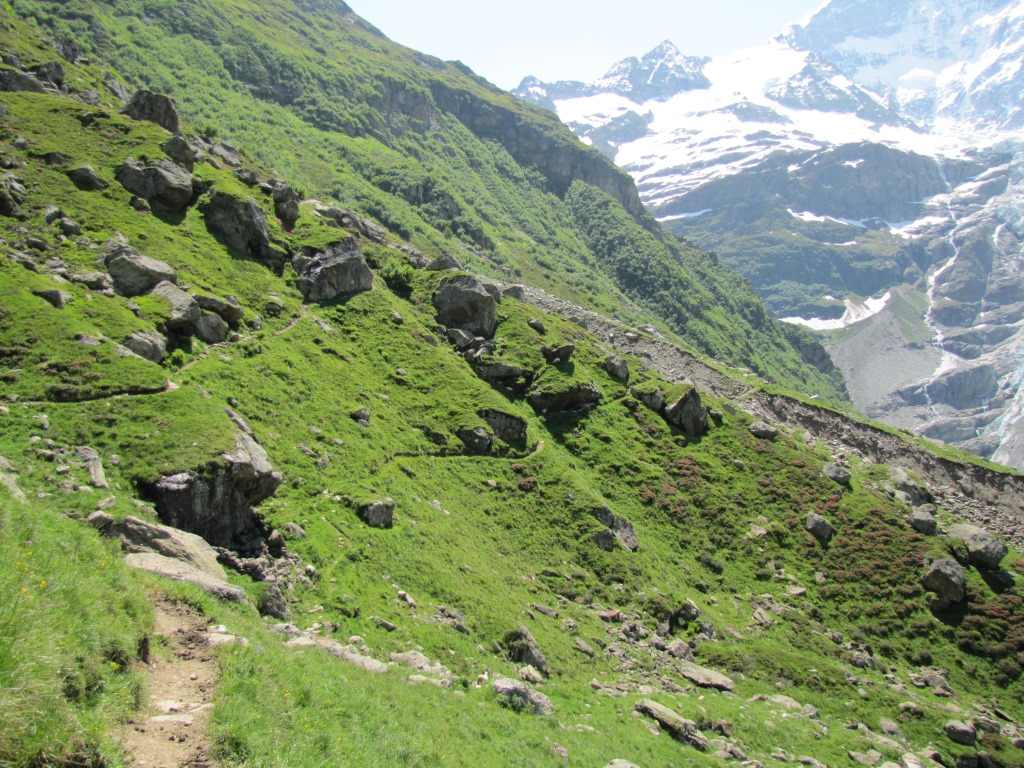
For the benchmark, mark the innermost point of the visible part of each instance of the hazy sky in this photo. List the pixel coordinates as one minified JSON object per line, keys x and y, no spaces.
{"x":574,"y":39}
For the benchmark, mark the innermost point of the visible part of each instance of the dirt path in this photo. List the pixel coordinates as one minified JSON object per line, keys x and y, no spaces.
{"x":170,"y":729}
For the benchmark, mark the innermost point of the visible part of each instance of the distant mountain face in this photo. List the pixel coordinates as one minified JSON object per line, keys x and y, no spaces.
{"x":864,"y":171}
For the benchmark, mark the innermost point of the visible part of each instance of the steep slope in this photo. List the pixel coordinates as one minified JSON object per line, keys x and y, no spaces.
{"x":867,"y":153}
{"x":424,"y":482}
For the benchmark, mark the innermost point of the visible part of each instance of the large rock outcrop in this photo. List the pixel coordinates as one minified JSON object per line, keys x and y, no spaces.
{"x":334,"y":270}
{"x":242,"y":226}
{"x":984,"y":550}
{"x":688,"y":413}
{"x":216,"y":501}
{"x":154,"y":108}
{"x":165,"y":185}
{"x":463,"y":302}
{"x":134,"y":274}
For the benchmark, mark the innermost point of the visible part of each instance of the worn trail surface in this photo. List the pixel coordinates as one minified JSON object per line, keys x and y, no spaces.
{"x":170,"y":729}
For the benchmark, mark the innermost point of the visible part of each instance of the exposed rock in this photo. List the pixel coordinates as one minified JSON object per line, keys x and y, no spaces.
{"x":621,"y":764}
{"x":961,"y":733}
{"x":85,"y":178}
{"x":95,"y":281}
{"x":558,"y":354}
{"x":463,"y":302}
{"x":154,"y":108}
{"x":216,"y":501}
{"x":520,"y":697}
{"x":906,"y":489}
{"x":619,"y":529}
{"x":476,"y":439}
{"x":272,"y":603}
{"x":836,"y":473}
{"x":350,"y":655}
{"x":133,"y":273}
{"x":819,"y":528}
{"x":763,"y":431}
{"x":945,"y":578}
{"x":241,"y":225}
{"x":443,"y":263}
{"x":530,"y":675}
{"x":58,"y":299}
{"x":688,"y":413}
{"x":286,"y":204}
{"x":165,"y":185}
{"x":680,"y":649}
{"x":343,"y":217}
{"x":185,"y":312}
{"x":923,"y":521}
{"x":378,"y":514}
{"x":583,"y":647}
{"x":183,"y":571}
{"x":51,"y":71}
{"x":228,"y":309}
{"x":525,"y":650}
{"x":678,"y":727}
{"x":149,"y":345}
{"x":511,"y":429}
{"x":571,"y":397}
{"x":140,"y":536}
{"x":13,"y":80}
{"x":500,"y":373}
{"x":984,"y":549}
{"x":94,"y":466}
{"x":654,"y":400}
{"x":334,"y":270}
{"x":211,"y":329}
{"x":180,"y":152}
{"x":704,"y":677}
{"x":617,"y":367}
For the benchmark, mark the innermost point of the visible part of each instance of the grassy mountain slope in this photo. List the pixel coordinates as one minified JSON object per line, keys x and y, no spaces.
{"x":434,"y":153}
{"x":481,"y":542}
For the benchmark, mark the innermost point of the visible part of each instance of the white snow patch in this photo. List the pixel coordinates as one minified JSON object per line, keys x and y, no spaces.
{"x":691,"y":215}
{"x":855,"y":313}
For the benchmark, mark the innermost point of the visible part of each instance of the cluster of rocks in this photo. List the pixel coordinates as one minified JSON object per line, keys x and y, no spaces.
{"x":687,"y":412}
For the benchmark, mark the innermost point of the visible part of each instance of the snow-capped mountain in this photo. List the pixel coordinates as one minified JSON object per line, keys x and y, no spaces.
{"x":865,"y":170}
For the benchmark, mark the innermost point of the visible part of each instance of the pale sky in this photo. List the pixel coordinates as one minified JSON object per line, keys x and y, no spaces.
{"x":574,"y":39}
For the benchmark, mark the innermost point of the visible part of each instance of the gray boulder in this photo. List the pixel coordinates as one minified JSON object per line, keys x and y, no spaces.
{"x":13,"y":80}
{"x":507,"y":427}
{"x":923,"y":521}
{"x":180,"y":151}
{"x":945,"y":578}
{"x":51,"y":71}
{"x":617,"y":367}
{"x":704,"y":677}
{"x":688,"y":413}
{"x":678,"y":727}
{"x":984,"y":549}
{"x":228,"y":308}
{"x":133,"y":273}
{"x":211,"y":328}
{"x":463,"y":302}
{"x":378,"y":514}
{"x":185,"y":312}
{"x":904,"y":488}
{"x":961,"y":733}
{"x":517,"y":695}
{"x":572,"y":397}
{"x":95,"y":281}
{"x":216,"y":500}
{"x":443,"y":263}
{"x":56,"y":298}
{"x":654,"y":400}
{"x":476,"y":439}
{"x":763,"y":431}
{"x":836,"y":473}
{"x":147,"y":344}
{"x":619,"y":530}
{"x":154,"y":108}
{"x":241,"y":225}
{"x":342,"y":217}
{"x":819,"y":528}
{"x":558,"y":354}
{"x":334,"y":270}
{"x":182,"y":571}
{"x":85,"y":178}
{"x":286,"y":205}
{"x":165,"y":185}
{"x":272,"y":603}
{"x":140,"y":536}
{"x":524,"y":649}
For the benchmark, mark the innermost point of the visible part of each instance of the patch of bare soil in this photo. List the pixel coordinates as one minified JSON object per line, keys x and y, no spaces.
{"x":170,"y":730}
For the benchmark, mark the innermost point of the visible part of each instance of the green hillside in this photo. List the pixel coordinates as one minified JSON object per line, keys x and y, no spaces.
{"x":250,"y":314}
